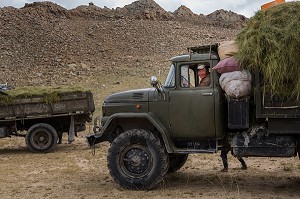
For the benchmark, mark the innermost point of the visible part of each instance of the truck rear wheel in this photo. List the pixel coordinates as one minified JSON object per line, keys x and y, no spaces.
{"x":137,"y":160}
{"x":176,"y":161}
{"x":41,"y":137}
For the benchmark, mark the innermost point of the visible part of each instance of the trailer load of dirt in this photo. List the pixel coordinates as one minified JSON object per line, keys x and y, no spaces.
{"x":270,"y":43}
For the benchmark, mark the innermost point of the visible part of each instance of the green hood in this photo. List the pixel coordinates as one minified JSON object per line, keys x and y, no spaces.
{"x":140,"y":95}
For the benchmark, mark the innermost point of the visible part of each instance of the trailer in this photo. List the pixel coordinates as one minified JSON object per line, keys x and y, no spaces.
{"x":42,"y":122}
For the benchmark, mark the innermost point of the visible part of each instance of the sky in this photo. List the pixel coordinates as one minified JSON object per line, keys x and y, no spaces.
{"x":244,"y":7}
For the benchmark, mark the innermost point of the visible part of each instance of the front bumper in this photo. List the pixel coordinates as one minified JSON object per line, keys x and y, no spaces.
{"x":96,"y":137}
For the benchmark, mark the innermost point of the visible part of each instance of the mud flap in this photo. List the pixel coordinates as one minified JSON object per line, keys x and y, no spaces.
{"x":71,"y":136}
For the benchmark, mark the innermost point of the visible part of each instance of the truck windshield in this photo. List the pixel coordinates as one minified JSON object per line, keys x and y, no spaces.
{"x":170,"y":81}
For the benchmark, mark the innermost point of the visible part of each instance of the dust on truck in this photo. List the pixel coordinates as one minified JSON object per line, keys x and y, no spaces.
{"x":43,"y":121}
{"x":153,"y":130}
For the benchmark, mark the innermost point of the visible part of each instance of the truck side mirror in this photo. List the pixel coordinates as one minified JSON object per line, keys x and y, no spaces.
{"x":154,"y":81}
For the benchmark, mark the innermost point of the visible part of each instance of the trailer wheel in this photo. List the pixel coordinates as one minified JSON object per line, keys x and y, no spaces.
{"x":41,"y":137}
{"x":137,"y":160}
{"x":176,"y":161}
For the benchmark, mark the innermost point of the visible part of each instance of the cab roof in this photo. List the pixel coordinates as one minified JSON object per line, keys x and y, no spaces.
{"x":199,"y":53}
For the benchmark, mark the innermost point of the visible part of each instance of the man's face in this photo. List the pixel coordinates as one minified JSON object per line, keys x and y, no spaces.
{"x":202,"y":73}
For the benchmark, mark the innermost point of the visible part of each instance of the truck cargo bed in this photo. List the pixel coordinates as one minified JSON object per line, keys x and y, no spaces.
{"x":71,"y":103}
{"x":272,"y":105}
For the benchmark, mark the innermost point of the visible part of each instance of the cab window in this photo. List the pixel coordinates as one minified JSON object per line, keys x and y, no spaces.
{"x":187,"y":76}
{"x":195,"y":75}
{"x":170,"y":80}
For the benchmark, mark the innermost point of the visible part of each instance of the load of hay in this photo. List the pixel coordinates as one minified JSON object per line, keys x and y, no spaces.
{"x":270,"y":43}
{"x":48,"y":94}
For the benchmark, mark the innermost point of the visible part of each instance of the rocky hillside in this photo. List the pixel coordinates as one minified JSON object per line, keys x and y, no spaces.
{"x":46,"y":44}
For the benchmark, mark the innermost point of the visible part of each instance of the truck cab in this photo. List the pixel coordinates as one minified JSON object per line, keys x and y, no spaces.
{"x":195,"y":112}
{"x":188,"y":117}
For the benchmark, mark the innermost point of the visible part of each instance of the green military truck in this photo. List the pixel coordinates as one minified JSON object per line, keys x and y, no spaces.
{"x":153,"y":130}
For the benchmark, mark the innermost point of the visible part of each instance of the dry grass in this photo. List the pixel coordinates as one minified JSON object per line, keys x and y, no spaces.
{"x":49,"y":94}
{"x":270,"y":43}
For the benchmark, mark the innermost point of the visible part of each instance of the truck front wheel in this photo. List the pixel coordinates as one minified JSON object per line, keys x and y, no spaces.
{"x":41,"y":137}
{"x":137,"y":160}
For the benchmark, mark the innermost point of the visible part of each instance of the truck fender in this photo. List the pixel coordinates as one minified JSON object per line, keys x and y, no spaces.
{"x":148,"y":116}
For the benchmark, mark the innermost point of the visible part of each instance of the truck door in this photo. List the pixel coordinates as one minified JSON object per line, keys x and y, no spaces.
{"x":191,"y":106}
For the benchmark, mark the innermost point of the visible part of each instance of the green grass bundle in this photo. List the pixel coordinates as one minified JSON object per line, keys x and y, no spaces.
{"x":270,"y":43}
{"x":49,"y":94}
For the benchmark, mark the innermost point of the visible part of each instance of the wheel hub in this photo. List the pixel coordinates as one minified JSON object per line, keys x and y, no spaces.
{"x":136,"y":161}
{"x":41,"y":139}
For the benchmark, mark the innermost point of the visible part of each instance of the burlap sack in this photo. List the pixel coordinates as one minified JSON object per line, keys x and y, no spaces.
{"x":236,"y":84}
{"x":227,"y":49}
{"x":227,"y":65}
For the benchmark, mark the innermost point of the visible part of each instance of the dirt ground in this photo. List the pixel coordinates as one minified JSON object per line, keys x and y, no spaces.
{"x":72,"y":171}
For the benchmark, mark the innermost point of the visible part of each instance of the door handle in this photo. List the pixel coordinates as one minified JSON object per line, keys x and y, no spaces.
{"x":207,"y":94}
